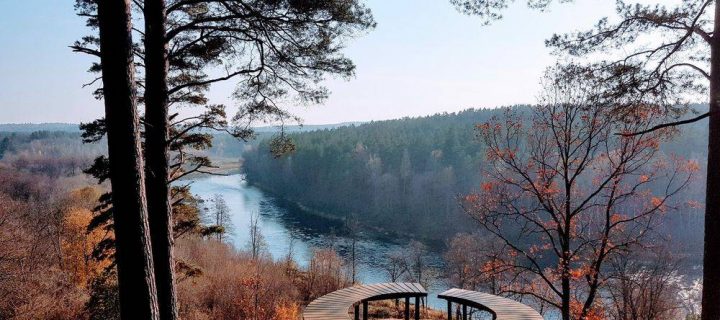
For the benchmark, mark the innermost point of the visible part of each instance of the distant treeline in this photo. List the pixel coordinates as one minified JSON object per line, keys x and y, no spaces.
{"x":224,"y":145}
{"x":54,"y":153}
{"x":405,"y":175}
{"x":32,"y":127}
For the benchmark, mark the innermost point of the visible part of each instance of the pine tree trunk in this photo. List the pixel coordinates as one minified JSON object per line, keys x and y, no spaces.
{"x":156,"y":155}
{"x":136,"y":281}
{"x":711,"y":261}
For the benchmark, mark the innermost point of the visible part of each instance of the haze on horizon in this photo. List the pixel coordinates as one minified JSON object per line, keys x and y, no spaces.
{"x":423,"y":58}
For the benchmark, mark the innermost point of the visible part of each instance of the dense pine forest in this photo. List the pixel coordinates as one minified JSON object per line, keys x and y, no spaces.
{"x":405,"y":175}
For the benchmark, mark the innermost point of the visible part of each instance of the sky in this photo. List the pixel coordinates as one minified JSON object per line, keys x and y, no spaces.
{"x":423,"y":57}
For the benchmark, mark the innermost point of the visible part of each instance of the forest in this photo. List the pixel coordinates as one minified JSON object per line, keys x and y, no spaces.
{"x":406,"y":175}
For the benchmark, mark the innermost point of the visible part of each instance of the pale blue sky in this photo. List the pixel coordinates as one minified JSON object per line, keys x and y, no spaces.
{"x":424,"y":57}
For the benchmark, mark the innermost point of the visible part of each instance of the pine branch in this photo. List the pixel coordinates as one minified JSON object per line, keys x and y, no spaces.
{"x":665,"y":125}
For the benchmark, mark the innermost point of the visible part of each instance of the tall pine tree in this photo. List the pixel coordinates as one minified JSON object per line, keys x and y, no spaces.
{"x":136,"y":281}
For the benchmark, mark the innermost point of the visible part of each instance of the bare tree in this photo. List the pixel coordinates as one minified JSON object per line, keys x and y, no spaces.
{"x":256,"y":243}
{"x":417,"y":266}
{"x":352,"y":225}
{"x":474,"y":262}
{"x":395,"y":265}
{"x":325,"y":274}
{"x":644,"y":287}
{"x":691,"y":298}
{"x":565,"y":194}
{"x":290,"y":256}
{"x":221,"y":216}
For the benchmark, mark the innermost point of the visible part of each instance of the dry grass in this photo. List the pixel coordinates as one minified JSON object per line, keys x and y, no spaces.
{"x":232,"y":285}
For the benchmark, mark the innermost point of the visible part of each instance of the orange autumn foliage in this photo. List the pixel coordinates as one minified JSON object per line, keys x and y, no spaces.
{"x":289,"y":311}
{"x":472,"y":198}
{"x":233,"y":285}
{"x":581,"y":272}
{"x":617,"y":218}
{"x":486,"y":186}
{"x":77,"y":243}
{"x":595,"y":312}
{"x":656,"y":202}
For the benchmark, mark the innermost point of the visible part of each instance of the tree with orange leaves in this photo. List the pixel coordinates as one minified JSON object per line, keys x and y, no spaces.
{"x":564,"y":193}
{"x":77,"y":241}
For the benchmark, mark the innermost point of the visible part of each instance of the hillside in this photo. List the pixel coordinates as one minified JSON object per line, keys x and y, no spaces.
{"x":224,"y":146}
{"x":306,"y":127}
{"x":405,"y":175}
{"x":402,"y":173}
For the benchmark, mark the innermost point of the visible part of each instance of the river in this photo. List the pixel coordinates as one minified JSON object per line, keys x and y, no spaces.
{"x":284,"y":225}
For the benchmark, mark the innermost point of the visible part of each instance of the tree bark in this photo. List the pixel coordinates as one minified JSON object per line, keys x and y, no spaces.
{"x":156,"y":155}
{"x":565,"y":284}
{"x":711,"y":261}
{"x":136,"y":281}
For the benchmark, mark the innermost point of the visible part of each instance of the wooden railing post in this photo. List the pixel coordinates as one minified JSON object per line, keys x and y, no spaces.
{"x":407,"y":308}
{"x":464,"y":312}
{"x":357,"y":312}
{"x":365,"y":310}
{"x":417,"y":308}
{"x":449,"y":310}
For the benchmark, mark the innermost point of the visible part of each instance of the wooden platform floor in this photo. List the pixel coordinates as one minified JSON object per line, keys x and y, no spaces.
{"x":502,"y":308}
{"x":336,"y":305}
